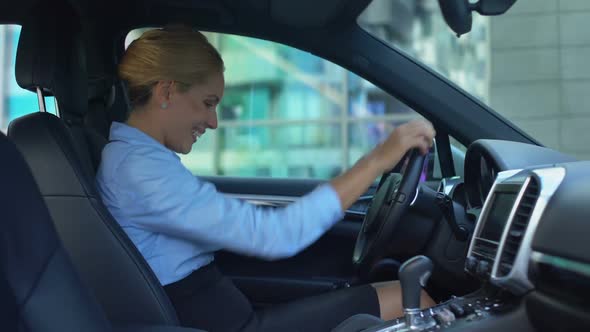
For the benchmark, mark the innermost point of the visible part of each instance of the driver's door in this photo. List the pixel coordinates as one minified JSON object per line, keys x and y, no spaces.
{"x":326,"y":265}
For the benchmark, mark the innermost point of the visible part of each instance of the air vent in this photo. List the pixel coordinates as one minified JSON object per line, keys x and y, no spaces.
{"x":518,"y":227}
{"x":484,"y":250}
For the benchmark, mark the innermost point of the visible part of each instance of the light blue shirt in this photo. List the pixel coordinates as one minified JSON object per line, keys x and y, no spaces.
{"x":177,"y":220}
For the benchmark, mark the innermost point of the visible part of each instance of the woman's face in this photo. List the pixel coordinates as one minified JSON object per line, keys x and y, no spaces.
{"x":190,"y":113}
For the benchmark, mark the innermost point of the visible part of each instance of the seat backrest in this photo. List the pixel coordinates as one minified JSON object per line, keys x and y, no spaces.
{"x":108,"y":262}
{"x":103,"y":254}
{"x":35,"y":270}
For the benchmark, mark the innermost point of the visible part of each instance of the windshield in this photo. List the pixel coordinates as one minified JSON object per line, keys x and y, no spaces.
{"x":529,"y":65}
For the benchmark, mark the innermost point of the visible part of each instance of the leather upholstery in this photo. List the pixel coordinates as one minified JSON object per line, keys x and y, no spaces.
{"x":107,"y":260}
{"x":64,"y":164}
{"x":40,"y":289}
{"x":47,"y":291}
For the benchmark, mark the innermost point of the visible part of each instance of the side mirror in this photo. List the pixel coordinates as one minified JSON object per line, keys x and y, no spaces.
{"x":458,"y":13}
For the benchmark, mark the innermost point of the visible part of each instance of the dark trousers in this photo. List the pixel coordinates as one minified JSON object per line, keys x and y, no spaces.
{"x":209,"y":301}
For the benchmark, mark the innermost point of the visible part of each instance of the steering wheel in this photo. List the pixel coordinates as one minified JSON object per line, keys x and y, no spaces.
{"x":390,"y":202}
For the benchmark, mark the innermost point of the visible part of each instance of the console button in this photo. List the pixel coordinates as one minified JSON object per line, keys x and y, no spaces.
{"x":471,"y":264}
{"x":483,"y":269}
{"x":457,"y":309}
{"x":444,"y":316}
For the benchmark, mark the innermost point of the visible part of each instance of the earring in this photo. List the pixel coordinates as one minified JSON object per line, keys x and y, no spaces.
{"x":164,"y":105}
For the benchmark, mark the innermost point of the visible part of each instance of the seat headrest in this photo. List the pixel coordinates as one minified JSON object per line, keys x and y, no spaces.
{"x":52,"y":154}
{"x":52,"y":60}
{"x":102,"y":89}
{"x":36,"y":60}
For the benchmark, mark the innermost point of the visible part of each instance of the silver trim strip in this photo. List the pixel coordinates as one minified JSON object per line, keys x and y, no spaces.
{"x":486,"y":206}
{"x":355,"y":213}
{"x":448,"y":184}
{"x":264,"y":199}
{"x":561,"y":263}
{"x":277,"y":200}
{"x":517,"y":279}
{"x":526,"y":284}
{"x":486,"y":240}
{"x":415,"y":196}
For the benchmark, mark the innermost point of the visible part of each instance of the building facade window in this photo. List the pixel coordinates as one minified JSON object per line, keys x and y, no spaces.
{"x":287,"y":113}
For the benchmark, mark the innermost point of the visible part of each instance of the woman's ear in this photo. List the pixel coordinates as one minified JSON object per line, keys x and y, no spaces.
{"x":162,"y":91}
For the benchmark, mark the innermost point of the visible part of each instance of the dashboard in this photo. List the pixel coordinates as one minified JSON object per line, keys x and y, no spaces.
{"x":530,"y":244}
{"x":501,"y":246}
{"x":486,"y":158}
{"x":531,"y":235}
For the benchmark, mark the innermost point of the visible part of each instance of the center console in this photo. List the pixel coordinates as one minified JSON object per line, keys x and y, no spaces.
{"x":499,"y":254}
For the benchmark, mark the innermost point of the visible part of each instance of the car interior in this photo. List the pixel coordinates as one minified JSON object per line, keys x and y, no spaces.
{"x":502,"y":247}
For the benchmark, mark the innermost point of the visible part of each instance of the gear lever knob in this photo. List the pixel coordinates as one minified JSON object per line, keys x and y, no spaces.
{"x":413,"y":275}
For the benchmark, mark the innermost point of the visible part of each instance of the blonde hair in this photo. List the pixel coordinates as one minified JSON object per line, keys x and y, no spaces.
{"x":175,"y":53}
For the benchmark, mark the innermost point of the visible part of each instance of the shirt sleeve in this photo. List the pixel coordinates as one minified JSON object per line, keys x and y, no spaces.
{"x":176,"y":203}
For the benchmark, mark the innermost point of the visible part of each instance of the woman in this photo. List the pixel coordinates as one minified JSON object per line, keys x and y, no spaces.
{"x":177,"y":221}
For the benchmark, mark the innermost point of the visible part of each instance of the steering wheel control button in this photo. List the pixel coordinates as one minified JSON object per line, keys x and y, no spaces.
{"x":401,"y":197}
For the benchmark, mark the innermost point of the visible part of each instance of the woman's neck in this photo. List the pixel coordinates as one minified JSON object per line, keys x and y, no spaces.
{"x":142,"y":120}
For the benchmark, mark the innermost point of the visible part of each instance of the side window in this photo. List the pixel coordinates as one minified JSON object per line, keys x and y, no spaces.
{"x":287,"y":113}
{"x":14,"y":101}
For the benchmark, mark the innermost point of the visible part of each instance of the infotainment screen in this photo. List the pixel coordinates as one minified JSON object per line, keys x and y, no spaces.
{"x":497,"y":216}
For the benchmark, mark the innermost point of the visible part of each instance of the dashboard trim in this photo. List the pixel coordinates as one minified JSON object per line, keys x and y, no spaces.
{"x":493,"y":275}
{"x":561,"y":263}
{"x":485,"y":209}
{"x":517,"y":279}
{"x":278,"y":201}
{"x":272,"y":200}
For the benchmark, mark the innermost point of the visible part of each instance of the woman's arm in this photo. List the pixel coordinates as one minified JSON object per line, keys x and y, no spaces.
{"x":154,"y":192}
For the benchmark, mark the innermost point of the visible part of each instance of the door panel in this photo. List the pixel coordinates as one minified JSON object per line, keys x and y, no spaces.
{"x":324,"y":266}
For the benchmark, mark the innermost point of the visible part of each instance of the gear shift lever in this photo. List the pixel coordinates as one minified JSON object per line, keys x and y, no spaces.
{"x":413,"y":275}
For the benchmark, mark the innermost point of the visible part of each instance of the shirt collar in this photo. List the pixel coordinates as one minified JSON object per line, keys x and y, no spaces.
{"x":123,"y":132}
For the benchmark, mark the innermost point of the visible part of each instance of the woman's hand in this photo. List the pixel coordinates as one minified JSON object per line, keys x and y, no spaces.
{"x":414,"y":134}
{"x":354,"y":182}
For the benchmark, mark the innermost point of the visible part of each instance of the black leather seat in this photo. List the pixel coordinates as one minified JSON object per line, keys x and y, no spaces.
{"x":58,"y":156}
{"x":106,"y":259}
{"x":45,"y":287}
{"x":40,"y":289}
